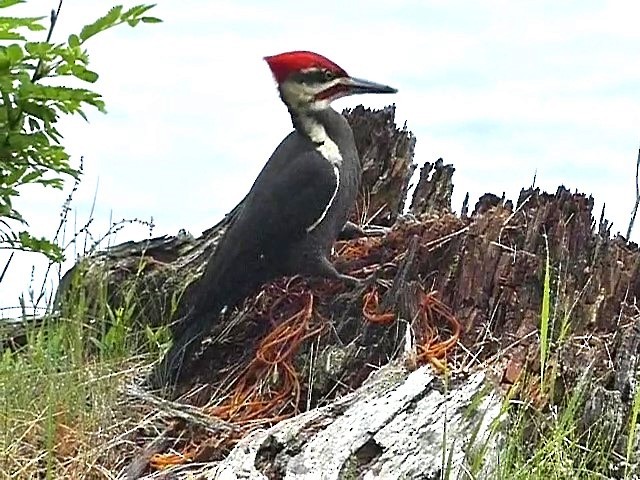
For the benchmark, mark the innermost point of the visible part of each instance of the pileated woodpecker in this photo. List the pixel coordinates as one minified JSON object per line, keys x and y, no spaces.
{"x":297,"y":206}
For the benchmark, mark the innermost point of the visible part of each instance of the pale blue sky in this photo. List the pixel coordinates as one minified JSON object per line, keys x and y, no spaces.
{"x":500,"y":89}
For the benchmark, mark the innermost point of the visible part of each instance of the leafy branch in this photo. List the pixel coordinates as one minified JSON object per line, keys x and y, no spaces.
{"x":31,"y":149}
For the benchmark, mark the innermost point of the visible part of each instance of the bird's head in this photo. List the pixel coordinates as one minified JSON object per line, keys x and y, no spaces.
{"x":308,"y":81}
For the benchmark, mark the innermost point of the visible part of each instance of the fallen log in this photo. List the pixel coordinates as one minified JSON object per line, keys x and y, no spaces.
{"x":391,"y":427}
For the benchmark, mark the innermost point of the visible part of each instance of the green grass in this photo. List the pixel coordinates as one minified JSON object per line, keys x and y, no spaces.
{"x":540,"y":440}
{"x":62,"y":414}
{"x":632,"y":438}
{"x":548,"y":442}
{"x":545,"y":445}
{"x":544,"y":316}
{"x":60,"y":407}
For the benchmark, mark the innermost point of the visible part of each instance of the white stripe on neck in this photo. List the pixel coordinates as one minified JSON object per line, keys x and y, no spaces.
{"x":330,"y":151}
{"x":318,"y":135}
{"x":336,"y":171}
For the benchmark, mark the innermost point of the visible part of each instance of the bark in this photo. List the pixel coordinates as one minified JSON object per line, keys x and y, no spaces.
{"x":432,"y":269}
{"x":391,"y":427}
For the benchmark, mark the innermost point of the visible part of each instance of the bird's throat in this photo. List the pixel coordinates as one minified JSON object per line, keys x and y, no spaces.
{"x":310,"y":126}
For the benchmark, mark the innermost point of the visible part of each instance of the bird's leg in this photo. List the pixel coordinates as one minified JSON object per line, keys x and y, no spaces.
{"x":324,"y":268}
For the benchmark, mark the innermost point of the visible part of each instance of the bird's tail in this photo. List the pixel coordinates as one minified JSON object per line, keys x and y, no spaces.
{"x":166,"y":374}
{"x":223,"y":283}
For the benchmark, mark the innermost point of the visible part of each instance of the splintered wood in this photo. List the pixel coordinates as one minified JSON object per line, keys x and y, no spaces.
{"x":461,"y":293}
{"x":269,"y":387}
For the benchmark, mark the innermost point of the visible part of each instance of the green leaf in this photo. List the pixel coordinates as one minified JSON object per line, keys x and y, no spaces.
{"x":101,"y":24}
{"x":64,"y":99}
{"x":82,"y":114}
{"x":39,"y":110}
{"x":74,"y":40}
{"x":15,"y":176}
{"x":15,"y":53}
{"x":7,"y":35}
{"x":83,"y":74}
{"x":39,"y":49}
{"x":136,"y":11}
{"x":64,"y":69}
{"x":30,"y":243}
{"x":31,"y":176}
{"x":151,"y":20}
{"x":30,"y":23}
{"x":5,"y":65}
{"x":33,"y":124}
{"x":56,"y":183}
{"x":15,"y":215}
{"x":10,"y":3}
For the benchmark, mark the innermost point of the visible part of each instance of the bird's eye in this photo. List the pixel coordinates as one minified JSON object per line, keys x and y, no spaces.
{"x":329,"y":75}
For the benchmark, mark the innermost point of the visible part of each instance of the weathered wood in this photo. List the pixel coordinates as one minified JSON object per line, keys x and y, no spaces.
{"x":434,"y":188}
{"x":392,"y":427}
{"x":386,"y":154}
{"x":487,"y":268}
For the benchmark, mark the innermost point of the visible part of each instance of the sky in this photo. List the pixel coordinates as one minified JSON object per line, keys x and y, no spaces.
{"x":503,"y":90}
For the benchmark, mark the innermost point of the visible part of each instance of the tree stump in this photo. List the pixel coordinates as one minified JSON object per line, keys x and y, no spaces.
{"x":351,"y":380}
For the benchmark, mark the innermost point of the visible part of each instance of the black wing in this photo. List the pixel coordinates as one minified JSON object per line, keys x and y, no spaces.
{"x":285,"y":200}
{"x":290,"y":194}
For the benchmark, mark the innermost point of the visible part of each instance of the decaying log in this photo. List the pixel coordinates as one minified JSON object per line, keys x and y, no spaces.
{"x":386,"y":154}
{"x":434,"y":189}
{"x":394,"y":426}
{"x":483,"y":271}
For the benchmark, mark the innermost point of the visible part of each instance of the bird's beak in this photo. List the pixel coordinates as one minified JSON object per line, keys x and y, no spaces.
{"x":357,"y":85}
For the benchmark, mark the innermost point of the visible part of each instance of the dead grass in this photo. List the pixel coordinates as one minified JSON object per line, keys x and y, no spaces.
{"x":69,"y":423}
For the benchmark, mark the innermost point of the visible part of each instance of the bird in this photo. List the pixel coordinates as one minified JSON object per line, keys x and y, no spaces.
{"x":297,"y":207}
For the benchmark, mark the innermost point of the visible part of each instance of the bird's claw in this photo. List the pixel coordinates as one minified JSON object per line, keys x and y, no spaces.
{"x":361,"y":283}
{"x":351,"y":231}
{"x":375,"y":231}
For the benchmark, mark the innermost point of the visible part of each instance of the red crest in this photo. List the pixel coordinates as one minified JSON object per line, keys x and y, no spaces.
{"x":284,"y":64}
